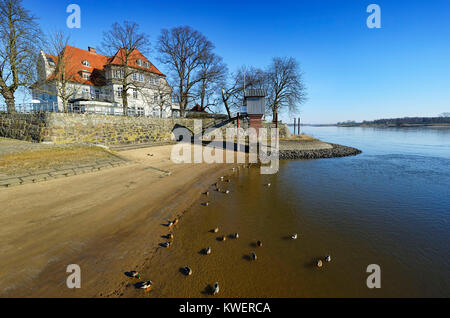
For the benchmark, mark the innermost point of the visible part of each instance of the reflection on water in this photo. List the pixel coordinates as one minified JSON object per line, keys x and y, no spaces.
{"x":388,"y":206}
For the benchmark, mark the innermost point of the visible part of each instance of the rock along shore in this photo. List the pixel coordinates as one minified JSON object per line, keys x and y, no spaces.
{"x":331,"y":152}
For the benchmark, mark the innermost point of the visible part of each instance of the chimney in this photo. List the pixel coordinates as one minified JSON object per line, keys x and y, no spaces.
{"x":92,"y":50}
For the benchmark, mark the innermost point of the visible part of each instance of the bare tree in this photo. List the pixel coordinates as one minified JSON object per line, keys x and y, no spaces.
{"x":19,"y":41}
{"x":61,"y":82}
{"x":123,"y":42}
{"x":213,"y":73}
{"x":233,"y":89}
{"x":285,"y":86}
{"x":183,"y":50}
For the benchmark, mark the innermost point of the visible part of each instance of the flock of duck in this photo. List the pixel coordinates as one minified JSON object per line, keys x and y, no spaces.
{"x":146,"y":285}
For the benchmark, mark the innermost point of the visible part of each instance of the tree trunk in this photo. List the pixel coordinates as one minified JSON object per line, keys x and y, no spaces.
{"x":274,"y":115}
{"x":225,"y":103}
{"x":10,"y":103}
{"x":124,"y":102}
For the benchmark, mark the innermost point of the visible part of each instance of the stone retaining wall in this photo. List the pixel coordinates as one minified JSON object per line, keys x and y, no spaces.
{"x":99,"y":129}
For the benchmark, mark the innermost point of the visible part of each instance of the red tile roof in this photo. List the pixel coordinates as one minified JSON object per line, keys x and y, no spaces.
{"x":97,"y":64}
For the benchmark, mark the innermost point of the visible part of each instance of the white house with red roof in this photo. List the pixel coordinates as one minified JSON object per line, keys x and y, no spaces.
{"x":94,"y":83}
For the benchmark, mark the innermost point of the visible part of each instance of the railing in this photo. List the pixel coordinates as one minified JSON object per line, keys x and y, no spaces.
{"x":31,"y":108}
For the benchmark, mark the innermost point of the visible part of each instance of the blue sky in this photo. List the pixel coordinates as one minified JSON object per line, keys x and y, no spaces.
{"x":351,"y":72}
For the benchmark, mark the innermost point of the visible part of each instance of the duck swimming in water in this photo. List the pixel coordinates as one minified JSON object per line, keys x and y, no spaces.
{"x":215,"y":289}
{"x":208,"y":251}
{"x":236,"y":235}
{"x":294,"y":236}
{"x":187,"y":271}
{"x":206,"y":193}
{"x":227,"y":191}
{"x":146,"y":285}
{"x":175,"y":221}
{"x":223,"y":238}
{"x":253,"y":256}
{"x":215,"y":230}
{"x":319,"y":263}
{"x":169,"y":236}
{"x":205,"y":204}
{"x":259,"y":244}
{"x":328,"y":258}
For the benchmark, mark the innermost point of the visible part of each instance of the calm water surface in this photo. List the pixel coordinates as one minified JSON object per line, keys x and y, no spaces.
{"x":388,"y":206}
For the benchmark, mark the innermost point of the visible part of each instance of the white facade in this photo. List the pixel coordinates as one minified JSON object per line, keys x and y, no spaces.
{"x":149,"y":94}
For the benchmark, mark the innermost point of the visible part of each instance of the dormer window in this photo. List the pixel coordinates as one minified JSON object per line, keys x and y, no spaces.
{"x":139,"y":62}
{"x":50,"y":61}
{"x":86,"y":75}
{"x":147,"y":64}
{"x":86,"y":63}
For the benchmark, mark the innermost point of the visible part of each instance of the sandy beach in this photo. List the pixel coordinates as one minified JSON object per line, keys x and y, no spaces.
{"x":108,"y":222}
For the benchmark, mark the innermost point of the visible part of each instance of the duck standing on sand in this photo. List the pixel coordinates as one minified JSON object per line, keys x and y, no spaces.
{"x":215,"y":230}
{"x":166,"y":244}
{"x":253,"y":256}
{"x":224,"y":238}
{"x":236,"y":235}
{"x":187,"y":271}
{"x":206,"y":193}
{"x":227,"y":191}
{"x":135,"y":274}
{"x":175,"y":221}
{"x":215,"y":289}
{"x":146,"y":285}
{"x":259,"y":244}
{"x":294,"y":236}
{"x":170,"y":236}
{"x":208,"y":251}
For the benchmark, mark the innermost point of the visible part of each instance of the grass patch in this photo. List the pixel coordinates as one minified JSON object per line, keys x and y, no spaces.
{"x":53,"y":157}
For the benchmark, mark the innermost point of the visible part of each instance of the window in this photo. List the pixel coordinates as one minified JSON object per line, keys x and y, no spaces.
{"x":154,"y":81}
{"x":147,"y":64}
{"x":155,"y":98}
{"x":135,"y":93}
{"x":134,"y":76}
{"x":50,"y":61}
{"x":119,"y":91}
{"x":86,"y":63}
{"x":118,"y":74}
{"x":139,"y":62}
{"x":86,"y":75}
{"x":141,"y":77}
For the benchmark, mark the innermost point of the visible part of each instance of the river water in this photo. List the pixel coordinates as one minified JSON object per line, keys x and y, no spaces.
{"x":389,"y":206}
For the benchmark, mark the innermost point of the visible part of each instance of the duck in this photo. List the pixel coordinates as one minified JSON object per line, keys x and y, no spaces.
{"x":218,"y":189}
{"x":208,"y":251}
{"x":253,"y":256}
{"x":135,"y":274}
{"x":319,"y":263}
{"x":215,"y":230}
{"x":224,"y":238}
{"x":328,"y":258}
{"x":227,"y":191}
{"x":175,"y":221}
{"x":166,"y":244}
{"x":259,"y":244}
{"x":206,"y":193}
{"x":170,"y":236}
{"x":236,"y":235}
{"x":268,"y":185}
{"x":205,"y":203}
{"x":215,"y":288}
{"x":146,"y":285}
{"x":221,"y":178}
{"x":187,"y":271}
{"x":294,"y":236}
{"x":170,"y":225}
